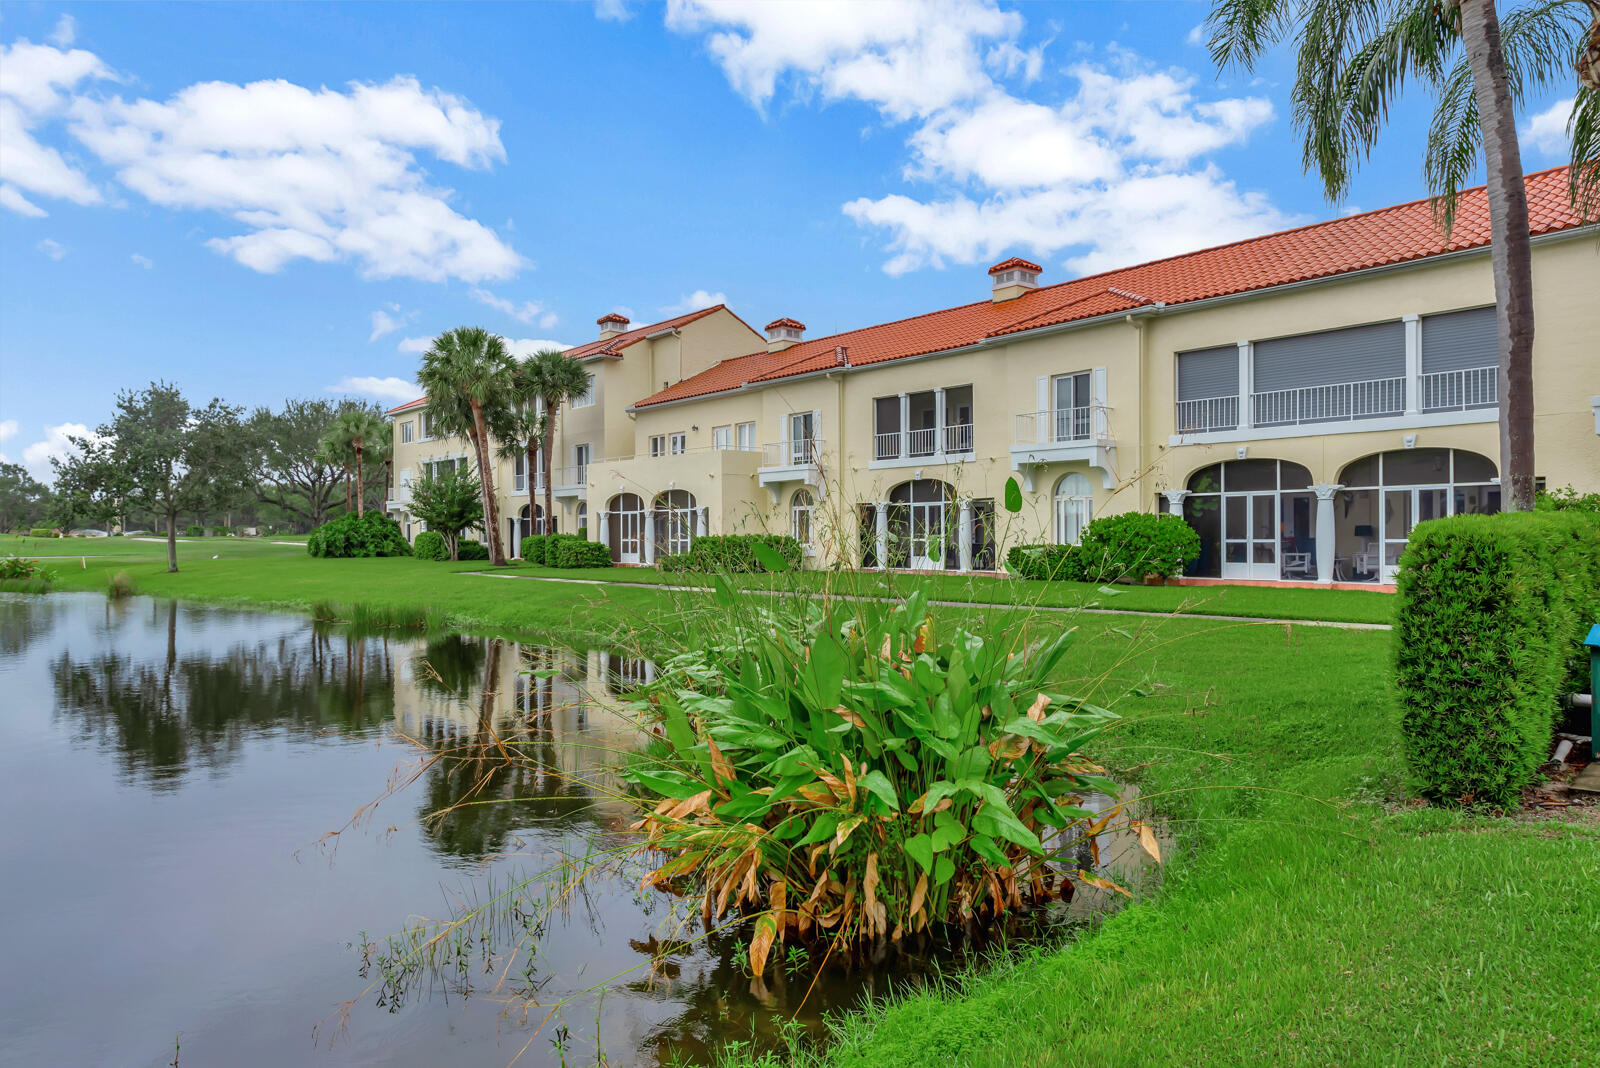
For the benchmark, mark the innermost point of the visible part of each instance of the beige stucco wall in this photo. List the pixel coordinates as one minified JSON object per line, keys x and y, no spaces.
{"x":1139,"y":357}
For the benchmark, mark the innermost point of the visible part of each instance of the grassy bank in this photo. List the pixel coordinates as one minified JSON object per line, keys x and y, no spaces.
{"x":1310,"y":915}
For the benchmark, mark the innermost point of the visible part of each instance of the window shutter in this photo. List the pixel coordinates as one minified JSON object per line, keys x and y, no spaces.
{"x":1097,"y":393}
{"x":1206,"y":373}
{"x":1331,"y":357}
{"x":1456,"y":341}
{"x":1042,"y":398}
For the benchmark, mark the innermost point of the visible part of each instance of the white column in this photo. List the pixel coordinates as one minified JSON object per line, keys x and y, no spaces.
{"x":1413,"y":364}
{"x":905,"y":425}
{"x":883,"y":535}
{"x":964,"y":534}
{"x":605,"y":528}
{"x":1325,"y":492}
{"x":650,"y":536}
{"x":1175,"y":501}
{"x":700,"y":521}
{"x":938,"y":421}
{"x":1247,"y":408}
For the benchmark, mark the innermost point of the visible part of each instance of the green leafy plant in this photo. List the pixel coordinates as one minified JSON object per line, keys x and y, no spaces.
{"x":735,"y":554}
{"x":1037,"y":561}
{"x":534,"y":550}
{"x":449,"y":504}
{"x":1131,"y":545}
{"x":1567,"y":499}
{"x":1492,"y":613}
{"x":373,"y":534}
{"x":430,"y":545}
{"x":845,"y":772}
{"x":569,"y":550}
{"x":472,"y":550}
{"x":194,"y":530}
{"x":42,"y":532}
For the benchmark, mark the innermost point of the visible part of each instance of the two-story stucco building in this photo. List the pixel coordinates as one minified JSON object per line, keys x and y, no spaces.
{"x":1302,"y":399}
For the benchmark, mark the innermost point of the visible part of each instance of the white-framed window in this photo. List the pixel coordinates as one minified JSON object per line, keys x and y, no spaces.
{"x":407,"y":429}
{"x":677,"y":443}
{"x":580,"y":463}
{"x":722,"y":437}
{"x":583,"y":518}
{"x":519,"y":473}
{"x":426,"y":426}
{"x":1074,"y":502}
{"x":658,"y":444}
{"x":444,"y":468}
{"x":586,"y":398}
{"x":801,"y":511}
{"x":745,"y":435}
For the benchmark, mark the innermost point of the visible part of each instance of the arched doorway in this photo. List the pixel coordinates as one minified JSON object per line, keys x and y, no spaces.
{"x":1074,"y":505}
{"x":802,"y":507}
{"x":1256,"y":520}
{"x":625,"y":528}
{"x":1386,"y":494}
{"x":528,"y":522}
{"x":674,"y":522}
{"x":922,"y":530}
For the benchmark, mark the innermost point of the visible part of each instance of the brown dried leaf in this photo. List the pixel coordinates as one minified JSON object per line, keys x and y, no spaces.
{"x":761,"y":944}
{"x":1036,"y":710}
{"x":1103,"y":884}
{"x":919,"y":894}
{"x":1147,"y":839}
{"x":853,"y":718}
{"x":869,"y":892}
{"x":721,"y":764}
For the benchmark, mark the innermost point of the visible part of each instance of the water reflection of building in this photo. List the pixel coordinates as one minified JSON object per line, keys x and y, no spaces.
{"x":553,"y":713}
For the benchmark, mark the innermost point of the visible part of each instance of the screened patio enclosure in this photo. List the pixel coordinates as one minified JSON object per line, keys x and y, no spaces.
{"x":923,"y":526}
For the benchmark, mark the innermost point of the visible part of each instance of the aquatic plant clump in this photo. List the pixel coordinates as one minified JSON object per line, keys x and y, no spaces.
{"x":850,"y":774}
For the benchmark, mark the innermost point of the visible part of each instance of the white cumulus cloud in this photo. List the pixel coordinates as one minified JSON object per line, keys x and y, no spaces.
{"x":143,"y":261}
{"x":415,"y":344}
{"x":319,"y":174}
{"x":1546,"y":132}
{"x":1010,"y":167}
{"x":388,"y":319}
{"x":8,"y":430}
{"x":55,"y":445}
{"x":35,"y":86}
{"x":700,"y":298}
{"x":527,"y":346}
{"x":529,"y":311}
{"x":389,"y":389}
{"x":52,"y":248}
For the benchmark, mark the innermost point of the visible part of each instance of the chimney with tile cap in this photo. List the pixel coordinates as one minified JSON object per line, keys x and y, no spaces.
{"x":612,"y":324}
{"x":1014,"y":277}
{"x":781,"y":333}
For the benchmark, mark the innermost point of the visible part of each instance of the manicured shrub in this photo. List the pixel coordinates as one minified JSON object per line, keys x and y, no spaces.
{"x":1493,"y":610}
{"x":569,"y":550}
{"x":218,"y":532}
{"x":1567,"y":499}
{"x":43,"y":532}
{"x":194,"y":531}
{"x":852,"y":773}
{"x":1037,"y":561}
{"x":472,"y":550}
{"x":373,"y":534}
{"x":732,"y":553}
{"x":430,"y":546}
{"x":1130,"y":546}
{"x":534,"y":550}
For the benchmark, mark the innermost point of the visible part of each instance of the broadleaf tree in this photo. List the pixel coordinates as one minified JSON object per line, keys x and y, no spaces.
{"x":161,"y":455}
{"x":449,"y":504}
{"x":24,"y":500}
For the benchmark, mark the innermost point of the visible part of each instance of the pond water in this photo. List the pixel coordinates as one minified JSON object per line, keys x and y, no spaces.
{"x":194,"y":866}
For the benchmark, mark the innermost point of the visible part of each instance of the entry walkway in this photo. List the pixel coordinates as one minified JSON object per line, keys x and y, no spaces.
{"x":1335,"y":624}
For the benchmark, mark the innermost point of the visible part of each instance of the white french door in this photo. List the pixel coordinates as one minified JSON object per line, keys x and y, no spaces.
{"x":802,"y":432}
{"x":1250,"y":535}
{"x":927,"y":536}
{"x":630,"y":537}
{"x":1403,"y":509}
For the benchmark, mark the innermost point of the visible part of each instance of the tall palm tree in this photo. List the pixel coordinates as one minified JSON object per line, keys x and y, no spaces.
{"x":466,"y":374}
{"x":521,"y":434}
{"x":1353,"y":59}
{"x":355,"y":434}
{"x":548,"y":376}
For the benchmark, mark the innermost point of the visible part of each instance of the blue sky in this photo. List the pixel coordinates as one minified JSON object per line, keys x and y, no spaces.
{"x":258,"y":200}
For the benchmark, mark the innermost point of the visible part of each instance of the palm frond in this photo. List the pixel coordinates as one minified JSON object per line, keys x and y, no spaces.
{"x":1584,"y":129}
{"x":1241,"y":30}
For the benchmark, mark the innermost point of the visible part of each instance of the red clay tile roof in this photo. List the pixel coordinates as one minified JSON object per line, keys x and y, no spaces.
{"x":613,"y":346}
{"x":1400,"y":234}
{"x":794,"y":323}
{"x":1015,"y":262}
{"x":407,"y":406}
{"x":614,"y":317}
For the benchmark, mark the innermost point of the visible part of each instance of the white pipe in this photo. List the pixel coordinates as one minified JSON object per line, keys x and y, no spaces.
{"x":1561,"y":752}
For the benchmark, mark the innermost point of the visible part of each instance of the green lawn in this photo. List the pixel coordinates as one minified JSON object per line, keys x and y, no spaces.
{"x":1309,"y":915}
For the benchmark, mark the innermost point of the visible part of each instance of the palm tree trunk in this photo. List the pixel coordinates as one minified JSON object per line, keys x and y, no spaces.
{"x":491,"y":509}
{"x":361,"y":485}
{"x":1511,"y":250}
{"x":346,"y":489}
{"x":545,"y":447}
{"x":533,"y":492}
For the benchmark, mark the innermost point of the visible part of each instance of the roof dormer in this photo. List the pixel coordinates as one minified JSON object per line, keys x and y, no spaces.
{"x":781,"y":333}
{"x":1014,"y":277}
{"x":612,"y":324}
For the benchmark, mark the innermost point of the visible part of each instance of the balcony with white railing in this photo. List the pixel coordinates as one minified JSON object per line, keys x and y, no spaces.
{"x":1208,"y":415}
{"x":569,"y":481}
{"x":1457,"y":391}
{"x":1341,"y":402}
{"x":801,"y":452}
{"x":1054,"y":425}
